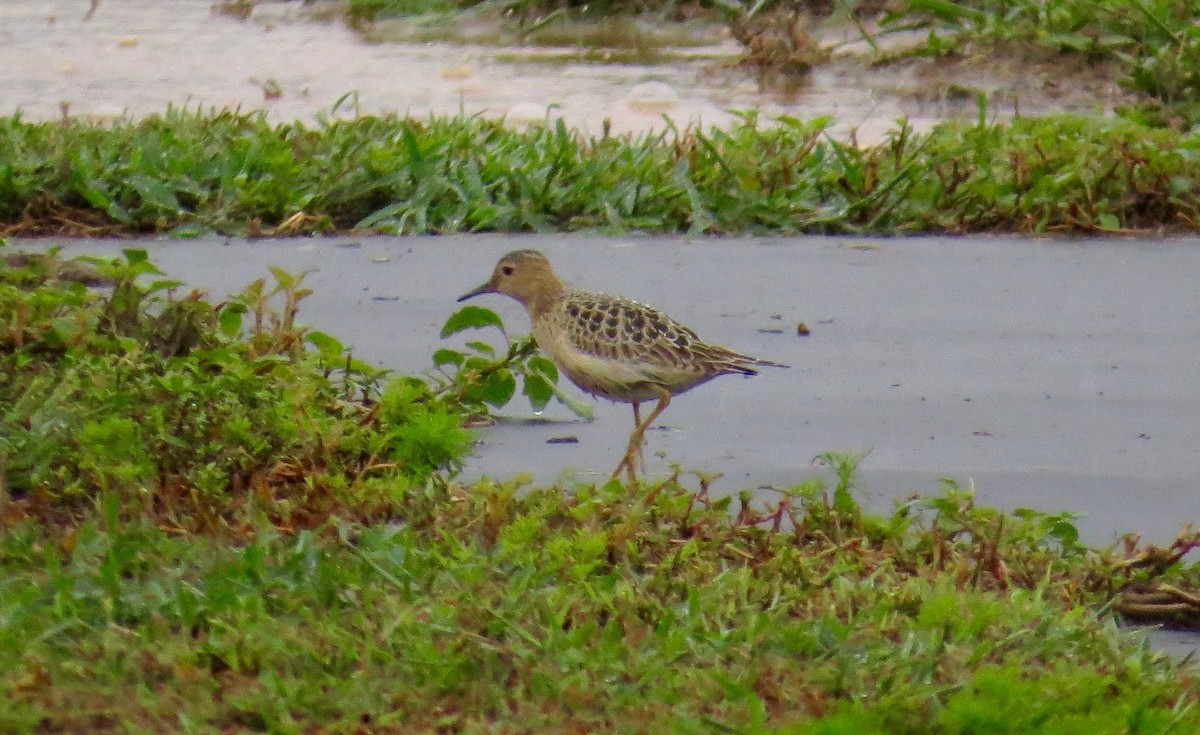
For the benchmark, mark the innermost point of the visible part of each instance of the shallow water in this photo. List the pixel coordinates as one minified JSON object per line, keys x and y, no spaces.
{"x":137,"y":56}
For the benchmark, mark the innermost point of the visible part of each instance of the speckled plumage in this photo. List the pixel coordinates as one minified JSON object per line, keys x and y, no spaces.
{"x":630,"y":348}
{"x":611,"y":346}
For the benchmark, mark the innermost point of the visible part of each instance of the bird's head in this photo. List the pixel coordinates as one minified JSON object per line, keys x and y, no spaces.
{"x":526,"y":276}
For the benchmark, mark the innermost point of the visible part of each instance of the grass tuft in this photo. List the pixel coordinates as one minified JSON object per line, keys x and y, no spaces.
{"x":188,"y":172}
{"x":492,"y":608}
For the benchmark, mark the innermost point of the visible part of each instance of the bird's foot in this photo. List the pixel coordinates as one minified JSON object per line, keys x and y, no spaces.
{"x":629,"y":463}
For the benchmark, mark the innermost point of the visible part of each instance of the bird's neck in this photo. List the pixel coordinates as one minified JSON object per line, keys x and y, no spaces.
{"x":550,"y":294}
{"x":545,"y":303}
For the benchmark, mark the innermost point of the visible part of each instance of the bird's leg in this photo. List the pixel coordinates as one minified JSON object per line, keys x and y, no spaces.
{"x":638,"y":437}
{"x":637,"y":421}
{"x":627,"y":462}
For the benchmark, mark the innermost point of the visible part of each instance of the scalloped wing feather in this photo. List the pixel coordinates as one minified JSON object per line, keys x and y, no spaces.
{"x":641,"y":341}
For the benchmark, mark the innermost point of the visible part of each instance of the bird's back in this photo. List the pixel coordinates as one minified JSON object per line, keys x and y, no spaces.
{"x":625,"y":350}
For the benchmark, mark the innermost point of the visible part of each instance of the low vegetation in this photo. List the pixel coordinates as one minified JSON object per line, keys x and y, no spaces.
{"x":214,"y":520}
{"x":190,"y":172}
{"x":146,"y":399}
{"x":491,"y":608}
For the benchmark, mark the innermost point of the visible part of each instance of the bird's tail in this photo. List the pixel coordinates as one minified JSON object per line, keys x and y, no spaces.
{"x":740,"y":363}
{"x":767,"y":363}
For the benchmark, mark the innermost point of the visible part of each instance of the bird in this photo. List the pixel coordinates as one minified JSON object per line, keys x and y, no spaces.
{"x":610,"y":346}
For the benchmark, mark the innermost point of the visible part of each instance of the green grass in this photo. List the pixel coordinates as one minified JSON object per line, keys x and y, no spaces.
{"x":186,"y":172}
{"x":277,"y":543}
{"x":488,"y":608}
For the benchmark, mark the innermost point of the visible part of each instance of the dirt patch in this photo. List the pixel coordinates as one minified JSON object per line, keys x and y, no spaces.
{"x":135,"y":57}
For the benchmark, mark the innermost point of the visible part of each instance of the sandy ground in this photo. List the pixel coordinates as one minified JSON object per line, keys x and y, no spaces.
{"x":137,"y":56}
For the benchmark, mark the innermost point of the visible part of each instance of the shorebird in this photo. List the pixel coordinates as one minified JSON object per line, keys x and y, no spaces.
{"x":611,"y":346}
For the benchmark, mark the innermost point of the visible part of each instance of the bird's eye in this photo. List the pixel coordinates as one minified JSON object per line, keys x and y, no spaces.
{"x":507,"y":270}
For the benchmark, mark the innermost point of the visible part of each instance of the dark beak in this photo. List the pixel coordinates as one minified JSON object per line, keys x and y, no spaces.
{"x":485,"y":288}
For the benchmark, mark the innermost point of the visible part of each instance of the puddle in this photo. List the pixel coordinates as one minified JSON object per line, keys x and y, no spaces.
{"x":135,"y":57}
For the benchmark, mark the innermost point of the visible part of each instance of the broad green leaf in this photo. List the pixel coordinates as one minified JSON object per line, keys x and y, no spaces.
{"x":328,"y":347}
{"x":283,"y":278}
{"x":482,"y":347}
{"x":538,"y":390}
{"x":1066,"y":532}
{"x":582,"y":409}
{"x":155,"y":193}
{"x":545,"y":366}
{"x":138,"y":262}
{"x":448,"y":357}
{"x":166,"y":284}
{"x":133,"y":256}
{"x":365,"y":368}
{"x":499,"y":388}
{"x":471,"y":317}
{"x":231,"y":319}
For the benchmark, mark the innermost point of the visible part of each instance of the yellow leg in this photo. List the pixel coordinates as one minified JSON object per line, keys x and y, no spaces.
{"x":641,"y":448}
{"x":638,"y":437}
{"x":637,"y":421}
{"x":627,"y":462}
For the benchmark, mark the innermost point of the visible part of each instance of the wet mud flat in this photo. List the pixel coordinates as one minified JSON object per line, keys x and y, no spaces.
{"x":1057,"y":376}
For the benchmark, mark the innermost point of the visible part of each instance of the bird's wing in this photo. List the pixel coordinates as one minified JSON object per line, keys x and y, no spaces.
{"x":619,"y":329}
